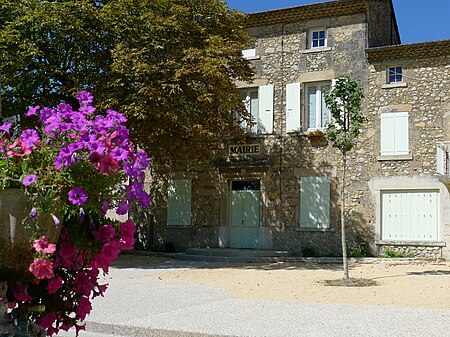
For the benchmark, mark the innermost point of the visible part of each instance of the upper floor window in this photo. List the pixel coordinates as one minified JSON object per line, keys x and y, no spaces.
{"x":259,"y":104}
{"x":249,"y":53}
{"x":317,"y":38}
{"x":317,"y":113}
{"x":394,"y":131}
{"x":395,"y":74}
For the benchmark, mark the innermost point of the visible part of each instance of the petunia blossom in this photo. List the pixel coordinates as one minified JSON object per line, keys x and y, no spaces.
{"x":29,"y":180}
{"x":42,"y":245}
{"x":41,"y":268}
{"x":33,"y":111}
{"x":77,"y":196}
{"x":54,"y":284}
{"x":108,"y":165}
{"x":85,"y":97}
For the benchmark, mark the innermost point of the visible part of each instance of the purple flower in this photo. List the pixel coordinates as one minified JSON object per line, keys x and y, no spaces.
{"x":75,"y":146}
{"x":123,"y":207}
{"x":65,"y":152}
{"x":85,"y":97}
{"x":105,"y":206}
{"x":55,"y":220}
{"x":33,"y":111}
{"x":60,"y":162}
{"x":144,"y":199}
{"x":119,"y":154}
{"x":87,"y":109}
{"x":142,"y":159}
{"x":30,"y":137}
{"x":64,"y":109}
{"x":33,"y":213}
{"x":112,"y":114}
{"x":96,"y":146}
{"x":77,"y":196}
{"x":29,"y":179}
{"x":46,"y":113}
{"x":82,"y":212}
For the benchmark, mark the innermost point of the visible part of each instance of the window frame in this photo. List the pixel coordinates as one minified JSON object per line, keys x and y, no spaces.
{"x":247,"y":102}
{"x":324,"y":39}
{"x":320,"y":124}
{"x":395,"y":74}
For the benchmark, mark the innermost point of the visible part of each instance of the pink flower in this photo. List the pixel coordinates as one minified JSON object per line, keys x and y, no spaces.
{"x":128,"y":228}
{"x":43,"y":246}
{"x":84,"y":286}
{"x":47,"y":321}
{"x":41,"y":268}
{"x":110,"y":251}
{"x":105,"y":233}
{"x":54,"y":284}
{"x":84,"y":308}
{"x":108,"y":164}
{"x":20,"y":293}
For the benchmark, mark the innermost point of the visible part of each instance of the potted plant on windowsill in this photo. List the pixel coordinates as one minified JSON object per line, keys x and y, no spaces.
{"x":316,"y":136}
{"x":57,"y":183}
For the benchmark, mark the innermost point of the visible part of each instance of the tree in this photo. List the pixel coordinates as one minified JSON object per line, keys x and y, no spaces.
{"x":169,"y":65}
{"x":344,"y":103}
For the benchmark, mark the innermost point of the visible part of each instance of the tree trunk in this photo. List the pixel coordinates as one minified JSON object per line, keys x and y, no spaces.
{"x":344,"y":240}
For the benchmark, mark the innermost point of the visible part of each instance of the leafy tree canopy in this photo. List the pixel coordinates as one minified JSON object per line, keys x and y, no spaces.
{"x":169,"y":65}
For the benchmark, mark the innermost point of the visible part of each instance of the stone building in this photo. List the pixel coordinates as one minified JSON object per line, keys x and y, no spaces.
{"x":279,"y":190}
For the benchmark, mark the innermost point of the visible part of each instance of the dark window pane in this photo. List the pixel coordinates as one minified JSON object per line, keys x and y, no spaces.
{"x":322,"y":34}
{"x":315,"y":35}
{"x":246,"y":185}
{"x":315,"y":43}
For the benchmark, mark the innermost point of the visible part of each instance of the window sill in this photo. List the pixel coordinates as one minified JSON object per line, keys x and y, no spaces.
{"x":316,"y":50}
{"x":411,"y":243}
{"x":394,"y":158}
{"x":394,"y":85}
{"x":312,"y":229}
{"x":250,"y":58}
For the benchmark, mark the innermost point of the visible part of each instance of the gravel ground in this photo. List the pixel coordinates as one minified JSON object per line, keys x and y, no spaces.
{"x":139,"y":304}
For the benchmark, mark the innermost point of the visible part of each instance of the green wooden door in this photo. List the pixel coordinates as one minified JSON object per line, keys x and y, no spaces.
{"x":245,"y":215}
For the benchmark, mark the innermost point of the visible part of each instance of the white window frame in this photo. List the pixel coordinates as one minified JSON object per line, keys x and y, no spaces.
{"x":311,"y":39}
{"x":394,"y":69}
{"x":319,"y":105}
{"x":177,"y":221}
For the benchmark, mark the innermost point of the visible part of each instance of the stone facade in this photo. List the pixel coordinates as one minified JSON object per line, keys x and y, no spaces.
{"x":282,"y":57}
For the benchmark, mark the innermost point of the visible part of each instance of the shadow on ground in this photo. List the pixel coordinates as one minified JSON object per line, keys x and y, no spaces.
{"x":128,"y":261}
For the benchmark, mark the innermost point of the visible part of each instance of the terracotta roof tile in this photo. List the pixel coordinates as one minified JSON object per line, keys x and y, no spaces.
{"x":413,"y":50}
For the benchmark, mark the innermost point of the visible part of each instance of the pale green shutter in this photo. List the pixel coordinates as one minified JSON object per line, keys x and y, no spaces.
{"x":315,"y":202}
{"x":265,"y":121}
{"x":292,"y":107}
{"x":401,"y":140}
{"x":179,"y":202}
{"x":387,"y":127}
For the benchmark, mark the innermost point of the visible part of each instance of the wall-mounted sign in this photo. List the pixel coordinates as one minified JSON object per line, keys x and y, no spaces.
{"x":245,"y":149}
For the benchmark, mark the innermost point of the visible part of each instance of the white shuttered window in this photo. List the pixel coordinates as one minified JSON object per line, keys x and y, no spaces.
{"x":394,"y":133}
{"x":293,"y":107}
{"x":410,"y":215}
{"x":315,"y":202}
{"x":179,"y":202}
{"x":259,"y":103}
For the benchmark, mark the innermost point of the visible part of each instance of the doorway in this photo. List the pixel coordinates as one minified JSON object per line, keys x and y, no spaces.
{"x":245,"y":214}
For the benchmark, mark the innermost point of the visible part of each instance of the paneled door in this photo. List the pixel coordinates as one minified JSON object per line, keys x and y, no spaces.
{"x":245,"y":214}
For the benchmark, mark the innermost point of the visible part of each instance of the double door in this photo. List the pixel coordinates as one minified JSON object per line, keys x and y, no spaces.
{"x":245,"y":214}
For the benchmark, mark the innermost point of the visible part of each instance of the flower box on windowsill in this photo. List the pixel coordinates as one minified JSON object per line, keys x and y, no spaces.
{"x":316,"y":137}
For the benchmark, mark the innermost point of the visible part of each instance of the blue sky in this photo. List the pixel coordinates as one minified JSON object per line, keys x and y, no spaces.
{"x":418,"y":20}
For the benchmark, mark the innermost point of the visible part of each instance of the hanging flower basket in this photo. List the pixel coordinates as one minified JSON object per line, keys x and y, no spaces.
{"x":316,"y":136}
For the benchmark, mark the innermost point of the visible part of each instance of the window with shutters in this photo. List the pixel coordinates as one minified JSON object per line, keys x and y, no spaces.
{"x":259,"y":104}
{"x":394,"y":130}
{"x":317,"y":114}
{"x":315,"y":202}
{"x":179,"y":202}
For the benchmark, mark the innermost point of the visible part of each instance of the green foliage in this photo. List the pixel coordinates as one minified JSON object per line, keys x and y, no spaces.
{"x":392,"y":253}
{"x":168,"y":65}
{"x":344,"y":103}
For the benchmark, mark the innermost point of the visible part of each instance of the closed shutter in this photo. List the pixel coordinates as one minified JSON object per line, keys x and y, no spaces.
{"x":265,"y":122}
{"x":401,"y":133}
{"x":179,"y":202}
{"x":387,"y":134}
{"x":440,"y":159}
{"x":315,"y":202}
{"x":394,"y":133}
{"x":410,"y":215}
{"x":292,"y":107}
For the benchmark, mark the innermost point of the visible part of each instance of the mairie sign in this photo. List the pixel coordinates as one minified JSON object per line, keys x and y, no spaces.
{"x":245,"y":149}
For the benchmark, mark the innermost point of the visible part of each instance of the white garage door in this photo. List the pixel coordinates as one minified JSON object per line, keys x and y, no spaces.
{"x":410,"y":215}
